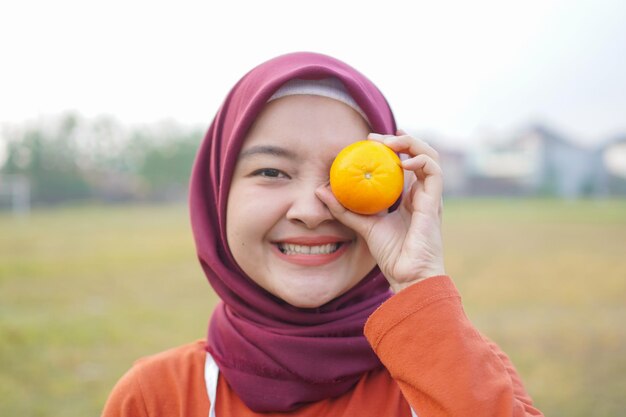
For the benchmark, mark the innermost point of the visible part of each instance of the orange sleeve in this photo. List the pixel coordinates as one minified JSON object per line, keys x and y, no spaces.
{"x":126,"y":399}
{"x":442,"y":364}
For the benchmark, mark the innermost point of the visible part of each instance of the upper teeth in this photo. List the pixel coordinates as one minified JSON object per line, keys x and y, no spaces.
{"x":292,"y":249}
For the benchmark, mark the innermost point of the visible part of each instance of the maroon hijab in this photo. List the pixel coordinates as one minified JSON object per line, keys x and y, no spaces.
{"x":275,"y":356}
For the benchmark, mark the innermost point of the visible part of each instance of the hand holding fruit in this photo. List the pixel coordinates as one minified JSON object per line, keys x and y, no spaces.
{"x":407,"y":242}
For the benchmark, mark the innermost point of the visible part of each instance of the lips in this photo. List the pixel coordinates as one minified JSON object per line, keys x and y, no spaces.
{"x":311,"y":251}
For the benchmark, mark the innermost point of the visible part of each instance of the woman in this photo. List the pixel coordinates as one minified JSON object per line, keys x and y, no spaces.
{"x":324,"y":312}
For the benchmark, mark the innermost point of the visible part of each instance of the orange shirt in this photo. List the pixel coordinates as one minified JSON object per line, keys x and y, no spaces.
{"x":434,"y":358}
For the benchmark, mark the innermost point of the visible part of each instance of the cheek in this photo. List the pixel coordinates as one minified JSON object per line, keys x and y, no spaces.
{"x":250,"y":215}
{"x":367,"y":261}
{"x":237,"y":216}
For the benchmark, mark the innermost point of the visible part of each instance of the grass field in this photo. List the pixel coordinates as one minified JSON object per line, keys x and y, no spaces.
{"x":86,"y":290}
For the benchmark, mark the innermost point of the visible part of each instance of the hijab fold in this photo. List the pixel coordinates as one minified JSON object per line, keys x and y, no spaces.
{"x":275,"y":356}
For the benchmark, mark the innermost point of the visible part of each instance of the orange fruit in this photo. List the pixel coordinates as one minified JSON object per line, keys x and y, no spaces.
{"x":366,"y":177}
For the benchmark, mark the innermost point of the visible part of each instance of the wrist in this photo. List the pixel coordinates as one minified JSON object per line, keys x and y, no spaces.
{"x":397,"y":286}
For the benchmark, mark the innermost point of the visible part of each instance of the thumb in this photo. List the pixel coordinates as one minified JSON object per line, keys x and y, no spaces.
{"x":359,"y":223}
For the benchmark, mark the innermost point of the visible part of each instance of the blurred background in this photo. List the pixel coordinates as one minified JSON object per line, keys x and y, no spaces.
{"x":102,"y":108}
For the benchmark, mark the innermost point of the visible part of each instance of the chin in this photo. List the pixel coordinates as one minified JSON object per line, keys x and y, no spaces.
{"x":307,"y":300}
{"x":309,"y":304}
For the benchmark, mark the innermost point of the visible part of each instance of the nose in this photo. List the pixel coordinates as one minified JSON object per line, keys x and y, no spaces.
{"x":307,"y":209}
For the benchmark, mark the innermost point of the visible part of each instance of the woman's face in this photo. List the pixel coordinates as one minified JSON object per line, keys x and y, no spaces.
{"x":281,"y":235}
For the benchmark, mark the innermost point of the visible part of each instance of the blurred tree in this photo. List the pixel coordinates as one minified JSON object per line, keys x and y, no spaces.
{"x":165,"y":165}
{"x":70,"y":158}
{"x":48,"y":158}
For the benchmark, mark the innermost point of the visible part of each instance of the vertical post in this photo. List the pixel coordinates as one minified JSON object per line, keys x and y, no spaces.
{"x":21,"y":195}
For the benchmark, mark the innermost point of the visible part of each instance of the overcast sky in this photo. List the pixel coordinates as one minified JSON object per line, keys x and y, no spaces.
{"x":456,"y":69}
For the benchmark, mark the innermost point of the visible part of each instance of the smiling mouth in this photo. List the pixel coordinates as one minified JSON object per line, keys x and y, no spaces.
{"x":294,"y":249}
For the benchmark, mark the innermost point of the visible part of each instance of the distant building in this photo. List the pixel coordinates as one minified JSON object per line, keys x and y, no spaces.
{"x":612,"y":176}
{"x":454,"y":167}
{"x":536,"y":161}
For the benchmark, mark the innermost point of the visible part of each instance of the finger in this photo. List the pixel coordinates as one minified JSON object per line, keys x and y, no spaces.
{"x":428,"y":171}
{"x":415,"y":188}
{"x":410,"y":145}
{"x":377,"y":137}
{"x":440,"y":210}
{"x":418,"y":201}
{"x":359,"y":223}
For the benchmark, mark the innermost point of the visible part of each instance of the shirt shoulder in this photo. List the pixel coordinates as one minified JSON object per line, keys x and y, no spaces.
{"x":170,"y":383}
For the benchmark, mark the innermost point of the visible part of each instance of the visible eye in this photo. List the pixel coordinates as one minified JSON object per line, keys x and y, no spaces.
{"x":270,"y":173}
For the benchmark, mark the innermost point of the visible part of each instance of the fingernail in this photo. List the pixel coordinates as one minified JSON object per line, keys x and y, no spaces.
{"x":375,"y":136}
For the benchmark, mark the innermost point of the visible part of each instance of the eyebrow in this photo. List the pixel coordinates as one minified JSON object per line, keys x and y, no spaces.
{"x":267,"y":150}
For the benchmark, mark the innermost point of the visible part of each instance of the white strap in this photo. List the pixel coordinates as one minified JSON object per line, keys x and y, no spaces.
{"x":211,"y":373}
